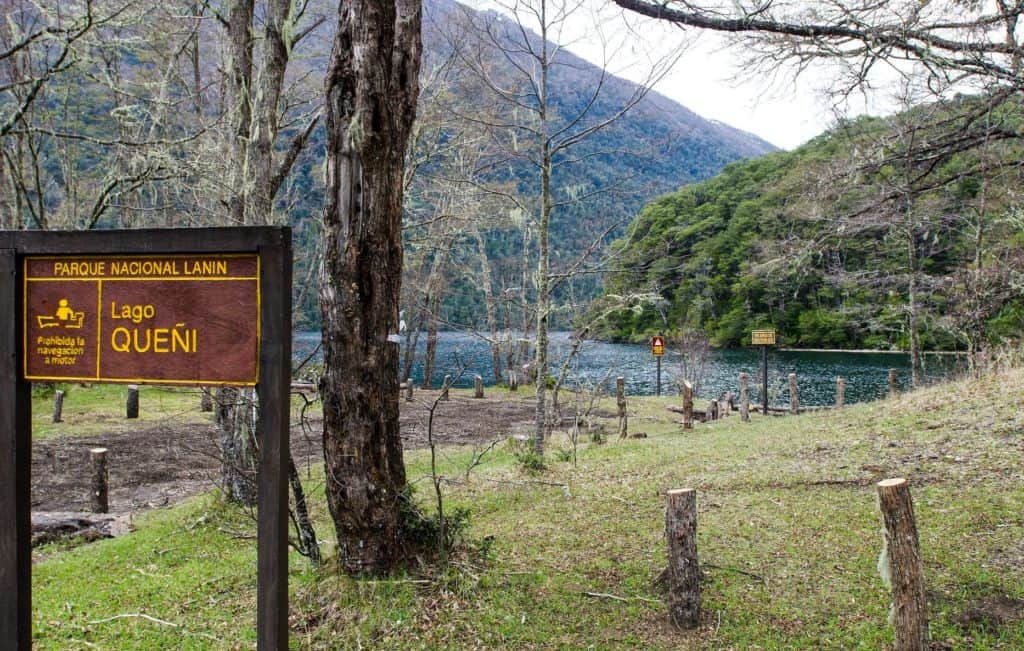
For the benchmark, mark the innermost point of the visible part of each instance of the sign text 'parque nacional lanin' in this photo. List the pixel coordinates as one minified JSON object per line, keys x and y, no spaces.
{"x":176,"y":319}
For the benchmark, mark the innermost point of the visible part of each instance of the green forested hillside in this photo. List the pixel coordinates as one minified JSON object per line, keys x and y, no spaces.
{"x":796,"y":241}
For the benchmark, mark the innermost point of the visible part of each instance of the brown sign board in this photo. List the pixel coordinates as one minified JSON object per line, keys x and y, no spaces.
{"x":658,"y":345}
{"x":166,"y":306}
{"x":762,"y":338}
{"x":162,"y":319}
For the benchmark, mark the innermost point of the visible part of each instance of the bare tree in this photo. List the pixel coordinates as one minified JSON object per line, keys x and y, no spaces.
{"x":254,"y":92}
{"x":526,"y":126}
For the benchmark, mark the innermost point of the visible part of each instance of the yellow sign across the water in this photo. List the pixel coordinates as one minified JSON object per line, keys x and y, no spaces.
{"x":762,"y":338}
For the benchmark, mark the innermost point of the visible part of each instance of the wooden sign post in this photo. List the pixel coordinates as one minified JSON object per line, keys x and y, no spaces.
{"x":763,"y":338}
{"x":195,"y":307}
{"x":658,"y":350}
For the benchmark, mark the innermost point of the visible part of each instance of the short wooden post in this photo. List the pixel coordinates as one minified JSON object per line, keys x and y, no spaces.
{"x":205,"y":400}
{"x":524,"y":350}
{"x":132,"y":404}
{"x":478,"y":387}
{"x":713,"y":410}
{"x":794,"y":395}
{"x":513,"y":381}
{"x":744,"y":397}
{"x":892,"y":383}
{"x":100,"y":482}
{"x":408,"y":390}
{"x":58,"y":406}
{"x":902,"y":560}
{"x":620,"y":399}
{"x":687,"y":405}
{"x":444,"y":387}
{"x":683,"y":569}
{"x":840,"y":392}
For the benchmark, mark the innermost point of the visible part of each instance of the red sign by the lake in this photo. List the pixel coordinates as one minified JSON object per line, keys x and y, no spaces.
{"x":174,"y":319}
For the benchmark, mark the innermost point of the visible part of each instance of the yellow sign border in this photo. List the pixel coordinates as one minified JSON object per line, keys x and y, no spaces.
{"x":99,"y":280}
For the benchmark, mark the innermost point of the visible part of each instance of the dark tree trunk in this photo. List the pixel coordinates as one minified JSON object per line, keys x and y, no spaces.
{"x":371,"y":89}
{"x":431,"y":352}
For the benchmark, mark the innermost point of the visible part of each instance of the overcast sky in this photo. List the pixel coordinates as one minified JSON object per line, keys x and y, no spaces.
{"x":779,"y":109}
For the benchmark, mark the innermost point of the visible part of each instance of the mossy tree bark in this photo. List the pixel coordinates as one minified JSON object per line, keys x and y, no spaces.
{"x":371,"y":90}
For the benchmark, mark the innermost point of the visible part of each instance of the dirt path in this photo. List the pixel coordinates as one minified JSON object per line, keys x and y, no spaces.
{"x":161,"y":465}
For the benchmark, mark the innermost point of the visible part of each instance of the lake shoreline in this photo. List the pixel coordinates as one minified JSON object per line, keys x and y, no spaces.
{"x":859,"y":350}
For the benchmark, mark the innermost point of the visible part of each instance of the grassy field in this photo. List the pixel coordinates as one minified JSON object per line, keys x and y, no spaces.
{"x":789,"y":537}
{"x":100,"y":408}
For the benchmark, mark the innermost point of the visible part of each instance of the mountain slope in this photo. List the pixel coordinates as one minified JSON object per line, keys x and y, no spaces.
{"x":772,"y":243}
{"x":656,"y":146}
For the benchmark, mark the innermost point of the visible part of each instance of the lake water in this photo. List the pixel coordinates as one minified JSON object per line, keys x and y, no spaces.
{"x":866,"y":374}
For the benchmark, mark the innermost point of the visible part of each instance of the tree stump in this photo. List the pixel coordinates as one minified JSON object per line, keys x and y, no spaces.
{"x":444,"y":387}
{"x":205,"y":400}
{"x":744,"y":397}
{"x":687,"y":405}
{"x":132,"y":404}
{"x":513,"y":381}
{"x":100,"y":482}
{"x":730,"y":403}
{"x":620,"y":399}
{"x":892,"y":383}
{"x":683,"y":569}
{"x":58,"y":406}
{"x":840,"y":392}
{"x":713,"y":410}
{"x":478,"y":387}
{"x":901,"y":558}
{"x":794,"y":395}
{"x":408,"y":390}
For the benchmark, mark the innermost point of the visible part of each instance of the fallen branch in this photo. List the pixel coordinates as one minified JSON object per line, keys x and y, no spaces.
{"x":154,"y":620}
{"x":136,"y":616}
{"x":529,"y":481}
{"x":736,"y":570}
{"x":605,"y":595}
{"x":238,"y":535}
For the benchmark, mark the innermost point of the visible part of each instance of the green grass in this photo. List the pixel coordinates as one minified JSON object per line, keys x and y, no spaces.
{"x":789,"y":537}
{"x":96,"y":409}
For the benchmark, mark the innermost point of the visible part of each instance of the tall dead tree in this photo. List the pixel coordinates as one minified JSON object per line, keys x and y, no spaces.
{"x":529,"y":127}
{"x":371,"y":90}
{"x":255,"y":85}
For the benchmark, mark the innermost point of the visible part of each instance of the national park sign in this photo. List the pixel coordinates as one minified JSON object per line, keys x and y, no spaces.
{"x":179,"y":306}
{"x":168,"y":319}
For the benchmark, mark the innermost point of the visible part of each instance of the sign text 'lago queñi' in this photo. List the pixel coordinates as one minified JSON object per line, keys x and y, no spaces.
{"x":188,"y":319}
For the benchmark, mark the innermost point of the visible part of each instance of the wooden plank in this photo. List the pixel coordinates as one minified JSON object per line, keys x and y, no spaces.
{"x":15,"y":439}
{"x":273,"y":390}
